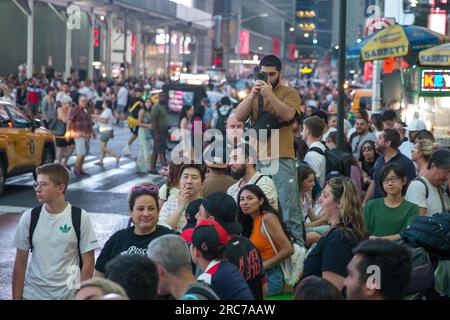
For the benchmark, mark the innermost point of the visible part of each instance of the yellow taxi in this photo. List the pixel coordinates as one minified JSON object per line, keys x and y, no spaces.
{"x":24,"y":144}
{"x":362,"y":99}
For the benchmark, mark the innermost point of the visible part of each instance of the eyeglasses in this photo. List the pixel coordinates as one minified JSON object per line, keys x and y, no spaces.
{"x":392,"y":179}
{"x":145,"y":187}
{"x":365,"y":149}
{"x":43,"y":185}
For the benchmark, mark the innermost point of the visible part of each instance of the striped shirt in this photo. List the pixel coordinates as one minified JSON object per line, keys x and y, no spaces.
{"x":265,"y":183}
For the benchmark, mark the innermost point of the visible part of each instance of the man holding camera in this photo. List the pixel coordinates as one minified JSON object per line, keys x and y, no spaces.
{"x":272,"y":105}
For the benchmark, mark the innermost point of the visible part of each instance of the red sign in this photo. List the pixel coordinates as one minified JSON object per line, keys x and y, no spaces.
{"x":291,"y":50}
{"x":96,"y":37}
{"x":368,"y":71}
{"x":133,"y":44}
{"x":276,"y":49}
{"x":245,"y":42}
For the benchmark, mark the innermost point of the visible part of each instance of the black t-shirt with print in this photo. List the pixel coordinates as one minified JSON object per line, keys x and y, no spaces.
{"x":246,"y":257}
{"x":127,"y":242}
{"x":332,"y":253}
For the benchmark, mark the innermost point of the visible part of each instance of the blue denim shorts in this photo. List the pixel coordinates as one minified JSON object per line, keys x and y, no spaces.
{"x":275,"y":281}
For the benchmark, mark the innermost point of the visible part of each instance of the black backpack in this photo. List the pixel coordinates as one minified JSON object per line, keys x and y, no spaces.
{"x":336,"y":161}
{"x":422,"y":272}
{"x":222,"y":120}
{"x":431,"y":233}
{"x":76,"y":222}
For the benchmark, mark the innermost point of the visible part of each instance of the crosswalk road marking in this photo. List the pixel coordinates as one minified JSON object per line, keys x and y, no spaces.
{"x":111,"y":179}
{"x":96,"y":180}
{"x":125,"y":187}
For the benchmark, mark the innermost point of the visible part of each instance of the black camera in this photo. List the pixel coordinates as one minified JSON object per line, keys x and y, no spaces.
{"x":263,"y":76}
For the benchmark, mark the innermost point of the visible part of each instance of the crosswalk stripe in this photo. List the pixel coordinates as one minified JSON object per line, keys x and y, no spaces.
{"x":91,"y":164}
{"x":125,"y":187}
{"x":96,"y":180}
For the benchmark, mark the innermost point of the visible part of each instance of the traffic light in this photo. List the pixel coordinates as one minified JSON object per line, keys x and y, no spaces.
{"x":315,"y":41}
{"x":218,"y":32}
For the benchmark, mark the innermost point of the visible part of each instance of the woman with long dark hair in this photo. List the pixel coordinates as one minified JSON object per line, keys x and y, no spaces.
{"x":262,"y":224}
{"x":367,"y":158}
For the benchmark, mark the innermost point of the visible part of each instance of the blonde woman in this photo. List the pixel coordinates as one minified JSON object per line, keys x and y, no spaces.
{"x":145,"y":137}
{"x":421,"y":154}
{"x":329,"y":257}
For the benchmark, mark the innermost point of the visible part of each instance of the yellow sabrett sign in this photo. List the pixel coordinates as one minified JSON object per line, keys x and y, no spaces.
{"x":436,"y":56}
{"x":387,"y":43}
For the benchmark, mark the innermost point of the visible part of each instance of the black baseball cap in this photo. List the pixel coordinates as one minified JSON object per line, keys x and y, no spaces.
{"x":223,"y":208}
{"x":191,"y":210}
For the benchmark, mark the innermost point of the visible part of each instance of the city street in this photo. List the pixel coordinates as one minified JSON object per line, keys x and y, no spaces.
{"x":103,"y":195}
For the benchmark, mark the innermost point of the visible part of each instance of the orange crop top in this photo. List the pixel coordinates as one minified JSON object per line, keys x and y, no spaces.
{"x":260,"y":240}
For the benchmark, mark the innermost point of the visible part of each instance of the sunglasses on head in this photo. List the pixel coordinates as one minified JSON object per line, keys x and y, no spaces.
{"x":145,"y":187}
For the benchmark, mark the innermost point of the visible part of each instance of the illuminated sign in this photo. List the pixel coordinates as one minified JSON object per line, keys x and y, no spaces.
{"x":435,"y":82}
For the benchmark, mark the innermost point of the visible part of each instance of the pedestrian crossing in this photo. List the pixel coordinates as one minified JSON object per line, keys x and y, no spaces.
{"x":110,"y":178}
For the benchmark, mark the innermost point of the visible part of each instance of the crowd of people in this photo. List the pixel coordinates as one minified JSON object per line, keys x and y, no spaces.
{"x":223,"y":229}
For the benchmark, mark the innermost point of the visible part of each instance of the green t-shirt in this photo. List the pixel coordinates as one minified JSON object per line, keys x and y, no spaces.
{"x":159,"y":114}
{"x":381,"y":221}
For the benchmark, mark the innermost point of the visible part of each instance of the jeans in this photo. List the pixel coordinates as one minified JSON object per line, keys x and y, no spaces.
{"x":286,"y":183}
{"x":275,"y":281}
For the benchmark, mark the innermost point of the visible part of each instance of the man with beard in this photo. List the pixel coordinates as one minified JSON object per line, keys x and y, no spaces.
{"x":394,"y":263}
{"x":387,"y":146}
{"x":284,"y":103}
{"x":243,"y":169}
{"x":362,"y":134}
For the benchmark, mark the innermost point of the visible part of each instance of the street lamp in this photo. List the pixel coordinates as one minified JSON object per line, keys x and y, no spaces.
{"x":239,"y":22}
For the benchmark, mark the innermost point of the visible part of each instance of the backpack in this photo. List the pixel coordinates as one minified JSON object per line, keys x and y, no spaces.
{"x":222,"y":120}
{"x":336,"y":161}
{"x":431,"y":233}
{"x":422,"y":272}
{"x":201,"y":291}
{"x":76,"y":223}
{"x":133,"y":115}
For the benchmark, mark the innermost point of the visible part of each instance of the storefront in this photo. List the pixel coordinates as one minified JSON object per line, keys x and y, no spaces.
{"x":434,"y":101}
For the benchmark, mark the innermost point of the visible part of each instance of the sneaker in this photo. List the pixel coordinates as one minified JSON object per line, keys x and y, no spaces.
{"x":77,"y":172}
{"x":84,"y":174}
{"x":126,"y":150}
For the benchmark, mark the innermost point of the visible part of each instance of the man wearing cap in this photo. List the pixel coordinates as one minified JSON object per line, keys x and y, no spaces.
{"x":414,"y":126}
{"x":218,"y":180}
{"x":208,"y":243}
{"x":239,"y":250}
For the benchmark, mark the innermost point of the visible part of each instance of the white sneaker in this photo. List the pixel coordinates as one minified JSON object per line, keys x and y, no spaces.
{"x":126,"y":150}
